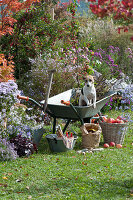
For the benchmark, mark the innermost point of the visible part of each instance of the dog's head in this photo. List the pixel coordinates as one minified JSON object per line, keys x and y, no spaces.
{"x":89,"y":80}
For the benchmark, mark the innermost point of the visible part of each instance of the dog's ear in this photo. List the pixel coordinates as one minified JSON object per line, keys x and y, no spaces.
{"x":94,"y":77}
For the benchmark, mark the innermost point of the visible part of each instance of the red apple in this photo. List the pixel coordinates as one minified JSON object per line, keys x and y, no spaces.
{"x":119,"y":117}
{"x":118,"y":146}
{"x":115,"y":121}
{"x":110,"y":120}
{"x":106,"y":145}
{"x":112,"y":144}
{"x":122,"y":118}
{"x":119,"y":121}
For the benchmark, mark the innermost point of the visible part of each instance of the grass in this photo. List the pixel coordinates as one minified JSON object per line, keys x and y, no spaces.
{"x":105,"y":175}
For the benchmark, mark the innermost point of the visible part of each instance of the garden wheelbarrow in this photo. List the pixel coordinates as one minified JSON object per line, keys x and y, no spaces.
{"x":56,"y":109}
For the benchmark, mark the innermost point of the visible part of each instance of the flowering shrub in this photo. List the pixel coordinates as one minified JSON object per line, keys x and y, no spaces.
{"x":8,"y":97}
{"x":13,"y":119}
{"x":7,"y":151}
{"x":124,"y":103}
{"x":72,"y":64}
{"x":128,"y":64}
{"x":127,"y":97}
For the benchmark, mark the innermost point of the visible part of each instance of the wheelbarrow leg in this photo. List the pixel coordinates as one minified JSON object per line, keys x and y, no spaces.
{"x":54,"y":125}
{"x":68,"y":121}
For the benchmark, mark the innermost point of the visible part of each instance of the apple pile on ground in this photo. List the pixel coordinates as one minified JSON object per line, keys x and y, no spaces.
{"x":112,"y":144}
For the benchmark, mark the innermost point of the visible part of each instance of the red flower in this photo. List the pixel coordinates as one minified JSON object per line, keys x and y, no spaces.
{"x":119,"y":30}
{"x":131,"y":38}
{"x":125,"y":29}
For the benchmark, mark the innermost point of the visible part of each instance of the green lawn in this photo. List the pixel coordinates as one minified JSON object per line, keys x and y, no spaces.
{"x":105,"y":175}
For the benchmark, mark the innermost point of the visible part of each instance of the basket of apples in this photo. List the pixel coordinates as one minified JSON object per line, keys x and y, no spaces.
{"x":113,"y":130}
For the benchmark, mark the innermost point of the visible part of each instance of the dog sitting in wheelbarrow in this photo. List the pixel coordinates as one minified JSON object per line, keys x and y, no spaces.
{"x":87,"y":95}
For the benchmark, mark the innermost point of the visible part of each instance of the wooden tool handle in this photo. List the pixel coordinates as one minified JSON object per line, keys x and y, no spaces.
{"x":23,"y":97}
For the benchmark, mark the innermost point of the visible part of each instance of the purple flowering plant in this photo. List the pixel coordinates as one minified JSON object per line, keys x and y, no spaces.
{"x":128,"y":64}
{"x":125,"y":103}
{"x":7,"y":150}
{"x":72,"y":64}
{"x":13,"y":118}
{"x":105,"y":62}
{"x":14,"y":121}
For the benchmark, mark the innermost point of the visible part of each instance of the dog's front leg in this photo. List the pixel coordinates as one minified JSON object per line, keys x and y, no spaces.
{"x":94,"y":102}
{"x":80,"y":101}
{"x":86,"y":100}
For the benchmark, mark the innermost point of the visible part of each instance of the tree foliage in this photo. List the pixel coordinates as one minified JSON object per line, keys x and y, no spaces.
{"x":121,"y":11}
{"x":6,"y":68}
{"x":35,"y":33}
{"x":8,"y":9}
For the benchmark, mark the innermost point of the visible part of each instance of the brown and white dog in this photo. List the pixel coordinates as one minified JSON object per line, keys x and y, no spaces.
{"x":88,"y":93}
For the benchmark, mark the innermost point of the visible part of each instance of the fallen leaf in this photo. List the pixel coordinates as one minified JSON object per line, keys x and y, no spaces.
{"x":19,"y":192}
{"x":30,"y":197}
{"x":9,"y":174}
{"x":27,"y":187}
{"x":4,"y":177}
{"x":83,"y":163}
{"x":54,"y":178}
{"x":4,"y":185}
{"x":112,"y":178}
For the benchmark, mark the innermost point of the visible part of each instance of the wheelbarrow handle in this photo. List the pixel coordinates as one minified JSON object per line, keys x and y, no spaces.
{"x":23,"y":97}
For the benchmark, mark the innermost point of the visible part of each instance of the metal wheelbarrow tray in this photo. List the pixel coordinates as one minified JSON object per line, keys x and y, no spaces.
{"x":58,"y":110}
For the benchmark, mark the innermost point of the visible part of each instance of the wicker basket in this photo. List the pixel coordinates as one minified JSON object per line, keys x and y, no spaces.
{"x":90,"y":139}
{"x":113,"y":132}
